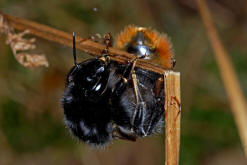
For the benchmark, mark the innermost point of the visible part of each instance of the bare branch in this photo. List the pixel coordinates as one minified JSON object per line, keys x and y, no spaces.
{"x":85,"y":45}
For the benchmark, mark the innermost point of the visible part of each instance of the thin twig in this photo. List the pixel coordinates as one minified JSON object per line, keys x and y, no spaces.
{"x":228,"y":75}
{"x":20,"y":46}
{"x":172,"y":117}
{"x":85,"y":45}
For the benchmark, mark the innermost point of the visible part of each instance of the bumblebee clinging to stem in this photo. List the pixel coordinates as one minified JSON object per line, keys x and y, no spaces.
{"x":105,"y":100}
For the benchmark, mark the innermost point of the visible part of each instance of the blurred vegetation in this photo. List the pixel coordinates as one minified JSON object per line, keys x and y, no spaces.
{"x":31,"y":118}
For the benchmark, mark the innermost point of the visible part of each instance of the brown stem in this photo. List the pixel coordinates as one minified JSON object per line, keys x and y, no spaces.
{"x":85,"y":45}
{"x":228,"y":75}
{"x":172,"y":117}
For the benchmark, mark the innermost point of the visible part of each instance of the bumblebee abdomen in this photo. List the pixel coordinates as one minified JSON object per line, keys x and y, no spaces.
{"x":89,"y":122}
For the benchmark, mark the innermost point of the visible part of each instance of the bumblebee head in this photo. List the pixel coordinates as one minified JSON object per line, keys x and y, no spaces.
{"x":89,"y":74}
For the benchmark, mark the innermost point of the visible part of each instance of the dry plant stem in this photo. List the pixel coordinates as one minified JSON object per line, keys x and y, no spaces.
{"x":232,"y":86}
{"x":20,"y":46}
{"x":172,"y":117}
{"x":87,"y":46}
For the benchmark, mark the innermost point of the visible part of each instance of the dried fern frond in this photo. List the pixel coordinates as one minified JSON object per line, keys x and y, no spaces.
{"x":18,"y":44}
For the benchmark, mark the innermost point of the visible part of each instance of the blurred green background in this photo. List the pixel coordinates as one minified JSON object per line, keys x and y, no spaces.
{"x":31,"y":118}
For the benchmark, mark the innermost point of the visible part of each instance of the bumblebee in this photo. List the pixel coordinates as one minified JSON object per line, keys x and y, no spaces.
{"x":104,"y":100}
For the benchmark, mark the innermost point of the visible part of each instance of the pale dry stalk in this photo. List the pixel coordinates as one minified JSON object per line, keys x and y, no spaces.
{"x":172,"y":117}
{"x":18,"y":44}
{"x":228,"y":75}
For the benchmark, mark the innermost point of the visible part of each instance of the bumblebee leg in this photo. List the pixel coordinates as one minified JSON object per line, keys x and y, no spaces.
{"x":158,"y":86}
{"x":122,"y":83}
{"x":158,"y":110}
{"x":155,"y":118}
{"x":121,"y":133}
{"x":138,"y":118}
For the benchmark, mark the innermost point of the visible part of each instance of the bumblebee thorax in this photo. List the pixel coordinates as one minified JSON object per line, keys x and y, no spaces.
{"x":140,"y":45}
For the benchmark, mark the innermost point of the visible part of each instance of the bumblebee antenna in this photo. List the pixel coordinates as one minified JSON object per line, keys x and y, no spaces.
{"x":74,"y":49}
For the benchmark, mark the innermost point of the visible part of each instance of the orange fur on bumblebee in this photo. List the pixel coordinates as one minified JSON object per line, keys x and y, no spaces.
{"x":148,"y":43}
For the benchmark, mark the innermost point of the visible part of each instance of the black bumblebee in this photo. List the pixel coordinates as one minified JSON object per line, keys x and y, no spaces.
{"x":104,"y":100}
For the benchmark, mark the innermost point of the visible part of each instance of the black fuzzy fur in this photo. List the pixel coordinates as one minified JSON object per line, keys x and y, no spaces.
{"x":90,"y":114}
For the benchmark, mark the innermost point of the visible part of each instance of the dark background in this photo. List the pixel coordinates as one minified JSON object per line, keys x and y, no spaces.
{"x":31,"y":118}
